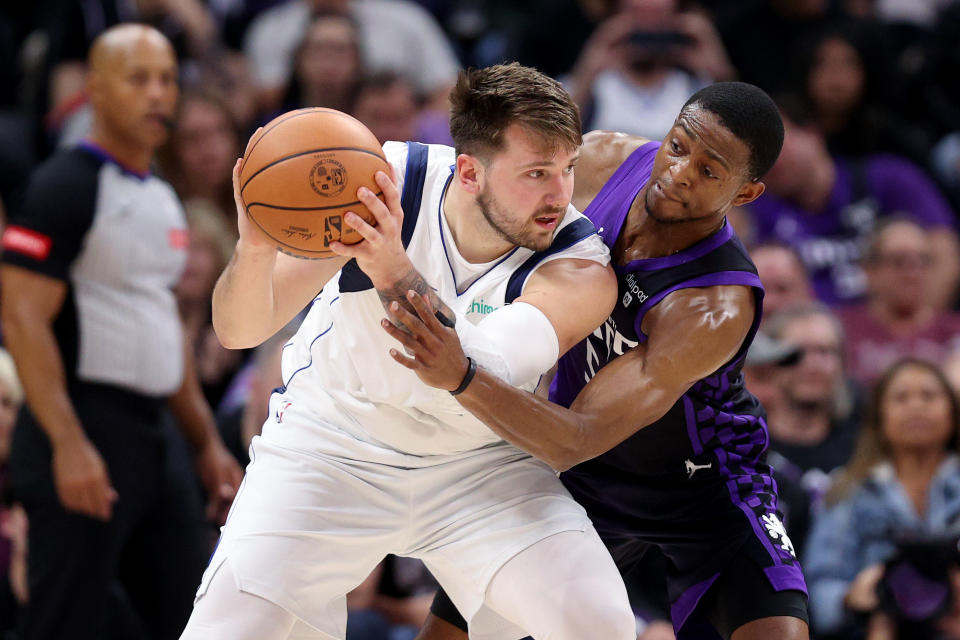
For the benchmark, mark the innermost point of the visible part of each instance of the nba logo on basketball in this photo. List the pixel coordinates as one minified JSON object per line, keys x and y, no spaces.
{"x":331,"y":229}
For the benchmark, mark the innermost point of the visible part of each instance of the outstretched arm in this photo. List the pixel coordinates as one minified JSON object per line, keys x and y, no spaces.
{"x":692,"y":333}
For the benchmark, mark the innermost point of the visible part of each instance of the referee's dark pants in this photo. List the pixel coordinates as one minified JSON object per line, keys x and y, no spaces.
{"x":131,"y":577}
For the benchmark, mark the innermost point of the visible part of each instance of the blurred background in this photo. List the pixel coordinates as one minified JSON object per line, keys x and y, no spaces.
{"x":855,"y":238}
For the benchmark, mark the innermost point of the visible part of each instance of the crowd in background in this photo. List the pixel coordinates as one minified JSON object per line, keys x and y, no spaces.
{"x":855,"y":239}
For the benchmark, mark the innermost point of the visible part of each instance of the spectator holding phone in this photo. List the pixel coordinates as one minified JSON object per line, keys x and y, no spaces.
{"x":902,"y":486}
{"x":640,"y":66}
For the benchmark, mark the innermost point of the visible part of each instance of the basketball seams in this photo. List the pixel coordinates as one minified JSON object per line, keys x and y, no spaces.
{"x":292,"y":227}
{"x":333,"y":206}
{"x":306,"y":153}
{"x":320,"y":254}
{"x":291,"y":116}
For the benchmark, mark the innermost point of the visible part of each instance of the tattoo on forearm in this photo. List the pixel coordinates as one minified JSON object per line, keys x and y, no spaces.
{"x":413,"y":280}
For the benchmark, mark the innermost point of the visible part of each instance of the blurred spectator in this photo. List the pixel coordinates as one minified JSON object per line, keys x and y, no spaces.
{"x":395,"y":35}
{"x":837,"y":76}
{"x":647,"y":59}
{"x":902,"y":487}
{"x":765,"y":358}
{"x":945,"y":161}
{"x":327,"y":66}
{"x":199,"y":157}
{"x":941,"y":91}
{"x":13,"y":519}
{"x":761,"y":36}
{"x":814,"y":424}
{"x":919,"y":12}
{"x":827,"y":208}
{"x":228,"y":75}
{"x":897,"y":320}
{"x":951,"y":369}
{"x":387,"y":105}
{"x":210,"y":248}
{"x":392,"y":603}
{"x":89,"y":259}
{"x":785,"y":280}
{"x":552,"y":33}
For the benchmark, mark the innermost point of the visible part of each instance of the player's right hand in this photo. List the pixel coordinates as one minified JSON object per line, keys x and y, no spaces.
{"x":250,"y":236}
{"x":81,"y":479}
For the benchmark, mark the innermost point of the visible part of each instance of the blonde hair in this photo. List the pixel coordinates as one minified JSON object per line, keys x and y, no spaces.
{"x":8,"y":374}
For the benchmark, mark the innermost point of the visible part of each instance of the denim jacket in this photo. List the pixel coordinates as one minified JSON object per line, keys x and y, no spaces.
{"x":858,"y":532}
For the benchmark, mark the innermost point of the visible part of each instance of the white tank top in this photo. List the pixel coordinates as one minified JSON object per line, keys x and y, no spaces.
{"x":338,"y":367}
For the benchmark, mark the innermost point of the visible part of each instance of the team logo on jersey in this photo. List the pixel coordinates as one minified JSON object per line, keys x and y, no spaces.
{"x":328,"y":178}
{"x":778,"y":532}
{"x":693,"y":468}
{"x":281,"y":410}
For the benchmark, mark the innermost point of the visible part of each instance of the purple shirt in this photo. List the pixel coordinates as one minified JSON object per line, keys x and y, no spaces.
{"x":831,"y":242}
{"x":871,"y":347}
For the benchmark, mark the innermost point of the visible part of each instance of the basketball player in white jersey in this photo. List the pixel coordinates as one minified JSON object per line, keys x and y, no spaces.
{"x":359,"y":458}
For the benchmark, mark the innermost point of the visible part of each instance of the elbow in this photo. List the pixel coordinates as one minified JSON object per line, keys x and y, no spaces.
{"x":230,"y":338}
{"x":570,"y":453}
{"x":230,"y":341}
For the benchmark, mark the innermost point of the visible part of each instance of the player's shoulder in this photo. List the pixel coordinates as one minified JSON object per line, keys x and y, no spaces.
{"x":609,"y":147}
{"x":602,"y":152}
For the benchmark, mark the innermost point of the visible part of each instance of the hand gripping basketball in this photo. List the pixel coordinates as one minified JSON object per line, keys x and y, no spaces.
{"x":300,"y":175}
{"x":382,"y":255}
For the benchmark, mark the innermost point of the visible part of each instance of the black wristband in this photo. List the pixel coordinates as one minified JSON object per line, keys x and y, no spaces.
{"x":467,"y":378}
{"x":444,"y":320}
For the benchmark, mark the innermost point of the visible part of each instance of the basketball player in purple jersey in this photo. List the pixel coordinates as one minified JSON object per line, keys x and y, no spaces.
{"x":661,"y":442}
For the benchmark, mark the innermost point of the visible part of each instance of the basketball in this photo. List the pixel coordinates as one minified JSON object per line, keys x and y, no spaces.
{"x":300,"y":175}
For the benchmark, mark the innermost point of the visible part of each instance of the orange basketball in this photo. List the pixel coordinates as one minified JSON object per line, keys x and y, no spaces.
{"x":301,"y":174}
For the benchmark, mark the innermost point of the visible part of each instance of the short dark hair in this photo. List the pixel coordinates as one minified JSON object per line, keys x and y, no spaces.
{"x":750,"y":114}
{"x":486,"y":101}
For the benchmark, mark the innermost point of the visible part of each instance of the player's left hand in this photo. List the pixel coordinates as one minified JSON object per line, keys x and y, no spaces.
{"x":435,"y":352}
{"x":221,"y":476}
{"x":381,"y":254}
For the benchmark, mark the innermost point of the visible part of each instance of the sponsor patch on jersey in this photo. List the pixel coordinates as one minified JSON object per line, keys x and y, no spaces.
{"x":27,"y":242}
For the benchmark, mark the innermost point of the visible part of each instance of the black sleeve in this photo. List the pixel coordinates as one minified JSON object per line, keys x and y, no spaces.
{"x":46,"y":233}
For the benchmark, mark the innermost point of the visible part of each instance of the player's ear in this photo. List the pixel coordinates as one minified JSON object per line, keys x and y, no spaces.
{"x":749,"y":192}
{"x":470,"y":173}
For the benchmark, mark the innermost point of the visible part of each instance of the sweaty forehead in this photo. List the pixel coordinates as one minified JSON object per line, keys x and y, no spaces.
{"x":705,"y":128}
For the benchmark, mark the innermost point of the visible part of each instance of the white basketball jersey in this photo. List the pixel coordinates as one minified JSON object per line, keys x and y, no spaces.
{"x":338,"y":366}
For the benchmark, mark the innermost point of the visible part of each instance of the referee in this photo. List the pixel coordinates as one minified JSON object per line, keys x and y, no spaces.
{"x":117,"y":539}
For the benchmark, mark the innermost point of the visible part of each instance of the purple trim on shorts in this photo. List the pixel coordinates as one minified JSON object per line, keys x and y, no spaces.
{"x":718,"y":278}
{"x":782,"y":576}
{"x":698,"y":250}
{"x":751,"y":516}
{"x":785,"y":576}
{"x":688,"y":601}
{"x":691,"y":415}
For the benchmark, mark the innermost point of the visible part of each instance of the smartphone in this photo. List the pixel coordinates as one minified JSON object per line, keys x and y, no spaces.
{"x":659,"y":39}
